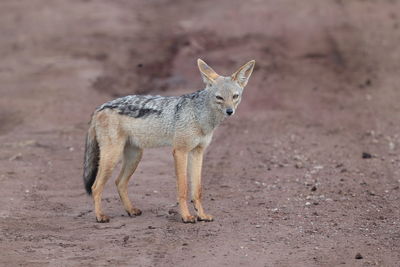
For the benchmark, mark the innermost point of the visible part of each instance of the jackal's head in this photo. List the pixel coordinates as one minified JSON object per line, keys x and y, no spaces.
{"x":225,"y":92}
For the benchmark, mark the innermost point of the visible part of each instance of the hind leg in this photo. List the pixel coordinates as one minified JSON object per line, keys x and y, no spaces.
{"x":132,"y":157}
{"x":109,"y":156}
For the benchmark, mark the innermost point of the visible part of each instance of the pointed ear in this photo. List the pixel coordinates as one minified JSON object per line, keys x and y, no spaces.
{"x":242,"y":75}
{"x":208,"y":74}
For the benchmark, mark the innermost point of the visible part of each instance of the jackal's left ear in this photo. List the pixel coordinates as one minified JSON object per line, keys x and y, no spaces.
{"x":242,"y":75}
{"x":208,"y":74}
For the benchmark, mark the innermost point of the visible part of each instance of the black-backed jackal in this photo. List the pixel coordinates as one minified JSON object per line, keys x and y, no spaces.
{"x":127,"y":125}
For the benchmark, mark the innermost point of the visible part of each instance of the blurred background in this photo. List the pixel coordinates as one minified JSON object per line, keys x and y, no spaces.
{"x":305,"y":174}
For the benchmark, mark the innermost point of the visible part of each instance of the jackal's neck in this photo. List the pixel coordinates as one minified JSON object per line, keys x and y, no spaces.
{"x":207,"y":116}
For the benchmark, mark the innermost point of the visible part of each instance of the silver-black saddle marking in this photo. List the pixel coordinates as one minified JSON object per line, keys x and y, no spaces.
{"x":142,"y":106}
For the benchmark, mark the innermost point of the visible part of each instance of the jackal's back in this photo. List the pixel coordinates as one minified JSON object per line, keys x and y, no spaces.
{"x":150,"y":121}
{"x":144,"y":106}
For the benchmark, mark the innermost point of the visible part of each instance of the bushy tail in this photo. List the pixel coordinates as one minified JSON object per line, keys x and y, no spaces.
{"x":92,"y":156}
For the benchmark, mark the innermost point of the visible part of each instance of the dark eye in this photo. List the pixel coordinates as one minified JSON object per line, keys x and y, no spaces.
{"x":219,"y":97}
{"x":235,"y":96}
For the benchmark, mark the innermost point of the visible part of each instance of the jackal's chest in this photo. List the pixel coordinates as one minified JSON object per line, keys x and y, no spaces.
{"x":191,"y":138}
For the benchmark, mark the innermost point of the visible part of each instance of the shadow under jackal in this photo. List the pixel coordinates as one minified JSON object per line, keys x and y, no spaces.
{"x":125,"y":126}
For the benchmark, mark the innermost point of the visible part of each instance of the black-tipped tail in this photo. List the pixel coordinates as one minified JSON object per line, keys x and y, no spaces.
{"x":91,"y":164}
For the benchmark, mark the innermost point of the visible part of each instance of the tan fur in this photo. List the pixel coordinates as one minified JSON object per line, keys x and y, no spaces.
{"x":120,"y":136}
{"x":195,"y":166}
{"x":131,"y":159}
{"x":181,"y":158}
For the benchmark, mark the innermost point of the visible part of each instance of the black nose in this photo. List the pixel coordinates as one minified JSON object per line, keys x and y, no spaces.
{"x":229,"y":111}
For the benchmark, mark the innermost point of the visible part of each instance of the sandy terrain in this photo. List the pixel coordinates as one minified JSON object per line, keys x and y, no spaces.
{"x":305,"y":174}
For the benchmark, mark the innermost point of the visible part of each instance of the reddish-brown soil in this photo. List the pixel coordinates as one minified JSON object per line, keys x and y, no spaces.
{"x":285,"y":177}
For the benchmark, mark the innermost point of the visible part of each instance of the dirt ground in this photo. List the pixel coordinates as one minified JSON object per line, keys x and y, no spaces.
{"x":305,"y":174}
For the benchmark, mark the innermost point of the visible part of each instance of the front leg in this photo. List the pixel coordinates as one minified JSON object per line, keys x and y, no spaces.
{"x":196,"y":162}
{"x":181,"y":159}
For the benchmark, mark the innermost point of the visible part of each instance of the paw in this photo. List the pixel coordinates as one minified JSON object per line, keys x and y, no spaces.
{"x":189,"y":219}
{"x":102,"y":218}
{"x":205,"y":218}
{"x":134,"y":212}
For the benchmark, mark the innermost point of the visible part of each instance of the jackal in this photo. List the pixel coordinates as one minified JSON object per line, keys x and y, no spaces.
{"x":127,"y":125}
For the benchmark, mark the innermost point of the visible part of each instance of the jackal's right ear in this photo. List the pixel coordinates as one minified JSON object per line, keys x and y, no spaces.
{"x":208,"y":74}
